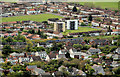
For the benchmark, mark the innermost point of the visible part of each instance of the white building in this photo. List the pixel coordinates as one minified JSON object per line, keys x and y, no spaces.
{"x":72,"y":24}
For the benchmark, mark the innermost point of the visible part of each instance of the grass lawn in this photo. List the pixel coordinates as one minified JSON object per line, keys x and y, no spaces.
{"x":39,"y":17}
{"x":100,"y":37}
{"x":110,"y":5}
{"x":80,"y":29}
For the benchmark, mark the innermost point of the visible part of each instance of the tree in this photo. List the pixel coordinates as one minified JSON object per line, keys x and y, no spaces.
{"x":83,"y":34}
{"x":82,"y":24}
{"x":29,"y":45}
{"x":90,"y":18}
{"x":78,"y":46}
{"x":74,"y":9}
{"x":39,"y":33}
{"x":6,"y":50}
{"x":67,"y":55}
{"x":9,"y":39}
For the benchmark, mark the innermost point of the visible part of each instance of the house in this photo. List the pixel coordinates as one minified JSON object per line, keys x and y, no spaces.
{"x":41,"y":54}
{"x":72,"y":24}
{"x":63,"y":51}
{"x":51,"y":56}
{"x":1,"y":60}
{"x":46,"y":75}
{"x":74,"y":53}
{"x":29,"y":54}
{"x":14,"y":54}
{"x":13,"y":60}
{"x":33,"y":11}
{"x":35,"y":58}
{"x":93,"y":51}
{"x":115,"y":64}
{"x":61,"y":68}
{"x":109,"y":55}
{"x":25,"y":59}
{"x":38,"y":71}
{"x":117,"y":51}
{"x":95,"y":24}
{"x":115,"y":31}
{"x":113,"y":41}
{"x":58,"y":74}
{"x":31,"y":67}
{"x":74,"y":71}
{"x":98,"y":69}
{"x":59,"y":56}
{"x":116,"y":57}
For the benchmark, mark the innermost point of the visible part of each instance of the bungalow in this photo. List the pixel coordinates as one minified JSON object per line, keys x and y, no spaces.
{"x":93,"y":51}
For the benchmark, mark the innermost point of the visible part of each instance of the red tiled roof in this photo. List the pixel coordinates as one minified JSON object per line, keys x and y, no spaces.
{"x":29,"y":35}
{"x":9,"y":22}
{"x":116,"y":30}
{"x":32,"y":9}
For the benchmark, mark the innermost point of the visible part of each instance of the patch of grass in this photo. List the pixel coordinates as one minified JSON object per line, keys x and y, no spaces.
{"x":39,"y":18}
{"x":100,"y":37}
{"x":80,"y":29}
{"x":103,"y":5}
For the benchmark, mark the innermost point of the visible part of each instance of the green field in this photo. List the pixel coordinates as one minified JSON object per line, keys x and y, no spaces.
{"x":39,"y":17}
{"x":80,"y":29}
{"x":110,"y":5}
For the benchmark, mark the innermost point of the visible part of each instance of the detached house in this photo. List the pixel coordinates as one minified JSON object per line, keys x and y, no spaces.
{"x":35,"y":58}
{"x":93,"y":51}
{"x":41,"y":54}
{"x":51,"y":56}
{"x":74,"y":53}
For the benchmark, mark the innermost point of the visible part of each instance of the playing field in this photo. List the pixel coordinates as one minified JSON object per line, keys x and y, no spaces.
{"x":80,"y":29}
{"x":39,"y":17}
{"x":110,"y":5}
